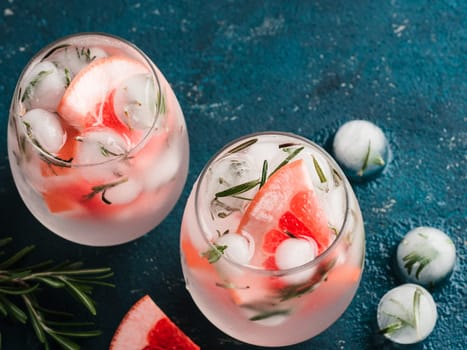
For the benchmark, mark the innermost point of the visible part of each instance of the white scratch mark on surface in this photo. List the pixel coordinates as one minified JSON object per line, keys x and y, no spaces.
{"x":400,"y":29}
{"x":386,"y":206}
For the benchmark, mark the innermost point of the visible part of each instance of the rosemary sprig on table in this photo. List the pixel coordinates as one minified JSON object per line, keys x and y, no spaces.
{"x":21,"y":287}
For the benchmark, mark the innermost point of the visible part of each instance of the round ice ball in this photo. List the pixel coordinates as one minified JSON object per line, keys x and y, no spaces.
{"x":426,"y":256}
{"x":43,"y":87}
{"x":44,"y":129}
{"x":407,"y":314}
{"x":294,"y":252}
{"x":361,"y":148}
{"x":235,"y":247}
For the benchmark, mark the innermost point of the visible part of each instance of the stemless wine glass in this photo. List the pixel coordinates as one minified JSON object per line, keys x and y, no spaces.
{"x":272,"y":240}
{"x":97,"y":141}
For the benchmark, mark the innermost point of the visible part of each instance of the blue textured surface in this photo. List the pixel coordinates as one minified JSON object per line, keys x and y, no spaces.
{"x":305,"y":67}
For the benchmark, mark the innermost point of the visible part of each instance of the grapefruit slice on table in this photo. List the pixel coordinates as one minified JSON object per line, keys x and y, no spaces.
{"x":86,"y":100}
{"x":146,"y":327}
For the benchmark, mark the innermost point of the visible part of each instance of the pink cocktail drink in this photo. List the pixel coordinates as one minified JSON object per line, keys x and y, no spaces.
{"x":272,"y":240}
{"x":97,"y":141}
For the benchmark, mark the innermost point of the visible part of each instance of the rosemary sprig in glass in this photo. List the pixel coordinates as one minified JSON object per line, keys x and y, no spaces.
{"x":21,"y":287}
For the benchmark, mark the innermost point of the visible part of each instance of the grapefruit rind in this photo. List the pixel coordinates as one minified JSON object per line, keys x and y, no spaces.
{"x":137,"y":325}
{"x":79,"y":105}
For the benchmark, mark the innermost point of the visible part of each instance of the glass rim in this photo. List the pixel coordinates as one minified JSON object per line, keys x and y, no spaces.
{"x":43,"y":53}
{"x":255,"y":269}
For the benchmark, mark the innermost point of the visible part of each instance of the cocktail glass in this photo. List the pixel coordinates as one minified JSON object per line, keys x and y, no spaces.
{"x":97,"y":141}
{"x":272,"y":240}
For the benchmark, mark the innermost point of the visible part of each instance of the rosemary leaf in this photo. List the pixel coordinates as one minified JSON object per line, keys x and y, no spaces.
{"x":268,"y":314}
{"x":319,"y":171}
{"x":264,"y":173}
{"x":242,"y":146}
{"x":391,"y":328}
{"x":35,"y":321}
{"x":52,"y":50}
{"x":80,"y":295}
{"x":14,"y":311}
{"x":17,"y":257}
{"x":365,"y":160}
{"x":242,"y":188}
{"x":65,"y":343}
{"x":416,"y":309}
{"x":18,"y":290}
{"x":291,"y":156}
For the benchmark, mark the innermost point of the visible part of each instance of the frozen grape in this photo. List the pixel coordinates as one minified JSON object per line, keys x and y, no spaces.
{"x":44,"y":129}
{"x":407,"y":314}
{"x":426,"y":256}
{"x":361,"y":148}
{"x":43,"y":87}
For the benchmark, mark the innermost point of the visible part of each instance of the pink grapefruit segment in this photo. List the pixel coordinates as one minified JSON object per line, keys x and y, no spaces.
{"x":285,"y":206}
{"x":81,"y":104}
{"x":146,"y":327}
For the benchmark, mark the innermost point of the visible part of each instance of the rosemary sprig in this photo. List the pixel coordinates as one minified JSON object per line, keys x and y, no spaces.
{"x":21,"y":287}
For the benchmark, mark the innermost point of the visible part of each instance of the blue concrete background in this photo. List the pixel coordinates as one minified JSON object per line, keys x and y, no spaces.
{"x":300,"y":66}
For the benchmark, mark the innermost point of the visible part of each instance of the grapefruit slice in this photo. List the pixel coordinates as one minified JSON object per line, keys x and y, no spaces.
{"x":286,"y":206}
{"x":85,"y":98}
{"x":146,"y":327}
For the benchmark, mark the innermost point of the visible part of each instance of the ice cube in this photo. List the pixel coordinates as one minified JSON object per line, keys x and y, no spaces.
{"x":43,"y":87}
{"x":135,"y":101}
{"x":163,"y":169}
{"x":125,"y":192}
{"x":74,"y":59}
{"x":230,"y":179}
{"x":294,"y":252}
{"x":45,"y":129}
{"x":96,"y":149}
